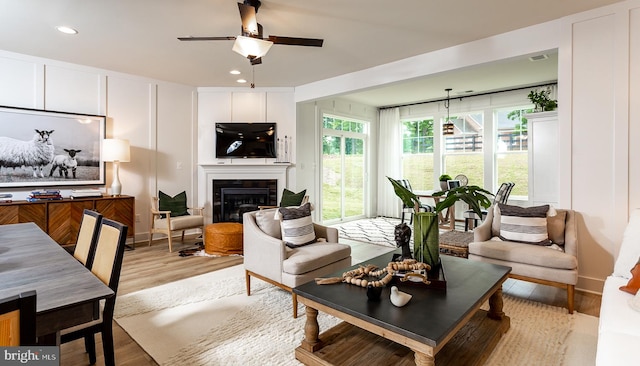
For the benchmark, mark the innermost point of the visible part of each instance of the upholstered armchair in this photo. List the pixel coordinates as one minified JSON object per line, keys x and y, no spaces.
{"x":171,"y":214}
{"x":553,"y":265}
{"x":267,"y":257}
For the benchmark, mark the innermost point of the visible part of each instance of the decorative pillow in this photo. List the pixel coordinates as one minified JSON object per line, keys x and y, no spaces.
{"x":524,"y":224}
{"x":292,"y":199}
{"x":297,"y":226}
{"x":176,"y":204}
{"x":634,"y":283}
{"x":555,"y":227}
{"x":630,"y":247}
{"x":267,"y":223}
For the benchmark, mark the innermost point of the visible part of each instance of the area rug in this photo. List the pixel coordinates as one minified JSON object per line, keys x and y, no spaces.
{"x":378,"y":230}
{"x":209,"y":320}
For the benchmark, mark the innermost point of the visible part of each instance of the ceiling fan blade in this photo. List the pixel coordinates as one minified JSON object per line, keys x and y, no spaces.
{"x":248,"y":16}
{"x":191,"y":38}
{"x":294,"y":41}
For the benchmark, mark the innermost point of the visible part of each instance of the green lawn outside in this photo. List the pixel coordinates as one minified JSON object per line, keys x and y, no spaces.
{"x":419,"y":170}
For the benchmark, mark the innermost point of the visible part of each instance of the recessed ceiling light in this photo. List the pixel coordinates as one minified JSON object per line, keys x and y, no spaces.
{"x":66,"y":30}
{"x":234,"y":72}
{"x":241,"y":81}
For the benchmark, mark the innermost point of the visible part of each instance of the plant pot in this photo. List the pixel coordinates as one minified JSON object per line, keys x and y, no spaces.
{"x":443,"y":185}
{"x":426,"y":238}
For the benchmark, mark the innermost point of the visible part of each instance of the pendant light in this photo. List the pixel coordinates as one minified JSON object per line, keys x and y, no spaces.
{"x":447,"y":126}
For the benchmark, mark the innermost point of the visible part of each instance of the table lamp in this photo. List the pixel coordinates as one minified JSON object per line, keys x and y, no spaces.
{"x":116,"y":151}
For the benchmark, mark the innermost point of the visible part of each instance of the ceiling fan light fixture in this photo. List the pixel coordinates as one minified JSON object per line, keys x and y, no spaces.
{"x":251,"y":47}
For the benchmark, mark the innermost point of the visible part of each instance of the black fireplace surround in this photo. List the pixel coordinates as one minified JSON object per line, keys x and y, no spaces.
{"x":232,"y":198}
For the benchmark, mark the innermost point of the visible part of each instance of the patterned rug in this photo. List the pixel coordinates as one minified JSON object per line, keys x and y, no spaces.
{"x":378,"y":230}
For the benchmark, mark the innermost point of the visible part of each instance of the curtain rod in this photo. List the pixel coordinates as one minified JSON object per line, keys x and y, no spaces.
{"x":472,"y":95}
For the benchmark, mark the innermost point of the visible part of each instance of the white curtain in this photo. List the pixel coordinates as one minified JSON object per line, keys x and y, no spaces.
{"x":389,"y":161}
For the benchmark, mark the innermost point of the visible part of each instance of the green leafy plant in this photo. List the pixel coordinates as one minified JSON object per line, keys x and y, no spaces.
{"x":474,"y":196}
{"x":542,"y":101}
{"x":444,"y":177}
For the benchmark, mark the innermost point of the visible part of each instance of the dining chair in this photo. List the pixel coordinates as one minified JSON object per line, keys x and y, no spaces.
{"x":106,"y":266}
{"x":18,"y":320}
{"x":87,"y":237}
{"x":406,"y":209}
{"x":502,"y":195}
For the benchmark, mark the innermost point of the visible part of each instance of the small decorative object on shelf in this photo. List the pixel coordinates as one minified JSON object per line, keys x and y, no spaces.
{"x":44,"y":195}
{"x":6,"y":197}
{"x":542,"y":101}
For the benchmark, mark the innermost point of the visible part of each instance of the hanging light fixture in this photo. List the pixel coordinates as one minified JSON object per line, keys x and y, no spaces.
{"x":447,"y":126}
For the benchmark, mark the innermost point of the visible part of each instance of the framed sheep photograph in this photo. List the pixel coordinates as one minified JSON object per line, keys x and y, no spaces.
{"x":42,"y":149}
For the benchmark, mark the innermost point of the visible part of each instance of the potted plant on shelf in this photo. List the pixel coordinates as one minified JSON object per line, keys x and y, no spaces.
{"x":542,"y":101}
{"x":426,"y":237}
{"x":443,"y":181}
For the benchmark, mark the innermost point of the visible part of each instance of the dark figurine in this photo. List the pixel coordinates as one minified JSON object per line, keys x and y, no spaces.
{"x":402,"y":235}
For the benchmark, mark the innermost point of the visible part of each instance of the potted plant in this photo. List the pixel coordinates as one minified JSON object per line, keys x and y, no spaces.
{"x":443,"y":181}
{"x":542,"y":101}
{"x":426,"y":237}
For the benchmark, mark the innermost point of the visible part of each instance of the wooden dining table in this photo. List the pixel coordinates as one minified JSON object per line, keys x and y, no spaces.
{"x":68,"y":293}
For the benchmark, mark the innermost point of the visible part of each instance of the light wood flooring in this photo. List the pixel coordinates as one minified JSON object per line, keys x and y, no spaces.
{"x":147,"y":267}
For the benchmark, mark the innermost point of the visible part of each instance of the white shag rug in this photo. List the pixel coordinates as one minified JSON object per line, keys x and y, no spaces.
{"x":209,"y":320}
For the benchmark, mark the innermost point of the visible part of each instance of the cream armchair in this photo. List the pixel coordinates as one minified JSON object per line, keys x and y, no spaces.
{"x":533,"y":263}
{"x":266,"y":256}
{"x":162,"y":222}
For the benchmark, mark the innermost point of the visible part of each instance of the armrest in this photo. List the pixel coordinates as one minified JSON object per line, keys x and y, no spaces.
{"x":483,"y":231}
{"x":263,"y":254}
{"x":266,"y":207}
{"x":158,"y":213}
{"x":329,"y":233}
{"x":196,"y":210}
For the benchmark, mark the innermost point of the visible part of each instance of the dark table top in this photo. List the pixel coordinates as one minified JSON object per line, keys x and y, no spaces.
{"x":31,"y":260}
{"x":431,"y":314}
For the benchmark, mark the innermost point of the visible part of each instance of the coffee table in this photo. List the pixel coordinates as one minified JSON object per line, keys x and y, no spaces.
{"x":377,"y":332}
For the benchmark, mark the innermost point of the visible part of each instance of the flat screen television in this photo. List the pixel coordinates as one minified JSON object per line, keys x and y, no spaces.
{"x":245,"y":140}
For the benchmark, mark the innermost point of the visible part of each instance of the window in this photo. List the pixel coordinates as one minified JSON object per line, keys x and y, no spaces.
{"x":417,"y":153}
{"x":343,"y":168}
{"x":463,"y":151}
{"x":512,"y":149}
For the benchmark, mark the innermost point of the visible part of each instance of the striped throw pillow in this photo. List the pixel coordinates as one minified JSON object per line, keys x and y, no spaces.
{"x":297,"y":226}
{"x":524,"y":224}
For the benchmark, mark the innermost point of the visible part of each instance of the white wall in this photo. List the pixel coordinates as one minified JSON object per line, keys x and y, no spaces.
{"x":157,"y":117}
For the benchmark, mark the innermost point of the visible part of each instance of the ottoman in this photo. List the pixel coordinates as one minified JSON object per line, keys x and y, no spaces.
{"x":223,"y":238}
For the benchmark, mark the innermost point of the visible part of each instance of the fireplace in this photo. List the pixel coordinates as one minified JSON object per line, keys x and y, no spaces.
{"x":232,"y":198}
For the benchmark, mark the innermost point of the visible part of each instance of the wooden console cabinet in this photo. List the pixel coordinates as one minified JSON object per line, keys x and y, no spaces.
{"x":61,"y":218}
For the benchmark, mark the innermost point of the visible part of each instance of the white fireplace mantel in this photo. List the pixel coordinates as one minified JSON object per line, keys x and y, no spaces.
{"x":208,"y":172}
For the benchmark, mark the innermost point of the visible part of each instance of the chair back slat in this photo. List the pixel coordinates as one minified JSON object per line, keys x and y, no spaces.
{"x":109,"y":253}
{"x":87,"y":237}
{"x":18,"y":320}
{"x":502,"y":195}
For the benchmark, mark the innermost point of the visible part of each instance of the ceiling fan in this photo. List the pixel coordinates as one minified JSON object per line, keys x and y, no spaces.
{"x":251,"y":43}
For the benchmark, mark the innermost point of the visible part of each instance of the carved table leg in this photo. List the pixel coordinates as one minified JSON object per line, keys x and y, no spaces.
{"x":423,"y":359}
{"x":495,"y":305}
{"x":311,"y":342}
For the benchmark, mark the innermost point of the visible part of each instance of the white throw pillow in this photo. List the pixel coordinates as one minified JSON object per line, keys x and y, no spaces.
{"x":297,"y":226}
{"x":630,"y":247}
{"x":635,"y":302}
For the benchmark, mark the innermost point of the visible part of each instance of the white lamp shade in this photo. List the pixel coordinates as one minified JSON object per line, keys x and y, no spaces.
{"x":116,"y":150}
{"x":249,"y":46}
